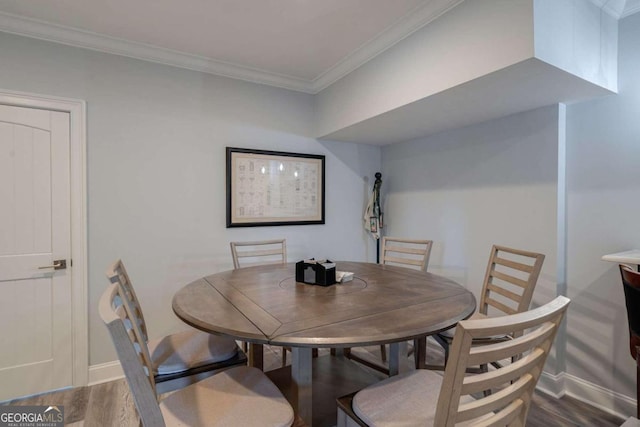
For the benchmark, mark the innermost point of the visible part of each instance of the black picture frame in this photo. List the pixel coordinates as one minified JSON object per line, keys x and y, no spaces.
{"x":271,"y":188}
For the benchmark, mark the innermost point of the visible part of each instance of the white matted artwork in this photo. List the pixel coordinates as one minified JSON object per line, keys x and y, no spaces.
{"x":274,"y":188}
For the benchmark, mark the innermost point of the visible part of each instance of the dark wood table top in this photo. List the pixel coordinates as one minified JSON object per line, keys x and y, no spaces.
{"x":265,"y":305}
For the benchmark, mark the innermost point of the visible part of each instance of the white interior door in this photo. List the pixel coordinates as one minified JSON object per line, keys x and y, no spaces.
{"x":35,"y":299}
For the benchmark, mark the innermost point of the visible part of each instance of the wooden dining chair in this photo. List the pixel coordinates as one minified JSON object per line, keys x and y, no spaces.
{"x":181,"y":358}
{"x":240,"y":395}
{"x":259,"y":252}
{"x":409,"y":253}
{"x":631,"y":284}
{"x":262,"y":252}
{"x":426,"y":398}
{"x":509,"y":282}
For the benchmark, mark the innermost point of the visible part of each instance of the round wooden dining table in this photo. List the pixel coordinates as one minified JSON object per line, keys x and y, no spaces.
{"x":265,"y":305}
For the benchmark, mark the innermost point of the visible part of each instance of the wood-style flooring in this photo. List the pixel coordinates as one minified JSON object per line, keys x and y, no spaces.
{"x":110,"y":404}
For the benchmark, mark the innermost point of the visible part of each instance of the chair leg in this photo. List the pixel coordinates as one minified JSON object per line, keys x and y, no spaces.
{"x":445,"y":345}
{"x":420,"y":353}
{"x":383,"y":353}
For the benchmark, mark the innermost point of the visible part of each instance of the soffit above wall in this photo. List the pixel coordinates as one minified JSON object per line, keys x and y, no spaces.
{"x":521,"y":87}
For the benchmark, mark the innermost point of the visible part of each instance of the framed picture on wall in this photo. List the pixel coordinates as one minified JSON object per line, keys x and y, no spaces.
{"x":266,"y":188}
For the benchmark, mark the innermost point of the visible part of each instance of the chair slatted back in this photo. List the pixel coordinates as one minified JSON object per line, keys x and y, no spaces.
{"x":259,"y":252}
{"x":116,"y":312}
{"x":510,"y":280}
{"x":631,"y":284}
{"x":513,"y":384}
{"x":410,"y":253}
{"x":118,"y":274}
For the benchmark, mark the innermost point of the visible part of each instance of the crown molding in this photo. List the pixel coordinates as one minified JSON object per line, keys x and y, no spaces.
{"x":630,"y":10}
{"x":617,"y":9}
{"x":85,"y":39}
{"x":404,"y":27}
{"x":407,"y":25}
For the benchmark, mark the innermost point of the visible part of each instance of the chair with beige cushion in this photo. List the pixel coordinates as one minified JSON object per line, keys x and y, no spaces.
{"x":183,"y":357}
{"x":509,"y":282}
{"x":408,"y":253}
{"x":237,"y":396}
{"x":261,"y":252}
{"x":426,"y":398}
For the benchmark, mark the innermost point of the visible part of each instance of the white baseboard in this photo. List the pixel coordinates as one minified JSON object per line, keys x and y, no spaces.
{"x":553,"y":385}
{"x":105,"y":372}
{"x":608,"y":400}
{"x":590,"y":393}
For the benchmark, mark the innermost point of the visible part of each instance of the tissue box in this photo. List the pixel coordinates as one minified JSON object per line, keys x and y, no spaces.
{"x":312,"y":272}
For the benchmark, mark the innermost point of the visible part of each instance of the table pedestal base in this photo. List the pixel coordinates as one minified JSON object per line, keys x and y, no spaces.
{"x":333,"y":377}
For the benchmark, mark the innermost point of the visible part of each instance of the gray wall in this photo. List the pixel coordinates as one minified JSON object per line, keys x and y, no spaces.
{"x":603,"y":187}
{"x":466,"y":189}
{"x":156,"y":169}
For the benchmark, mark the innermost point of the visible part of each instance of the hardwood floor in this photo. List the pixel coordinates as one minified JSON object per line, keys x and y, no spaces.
{"x":110,"y":404}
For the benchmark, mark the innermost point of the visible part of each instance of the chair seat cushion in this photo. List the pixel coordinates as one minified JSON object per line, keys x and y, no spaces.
{"x":408,"y":399}
{"x":240,"y":396}
{"x":450,"y":333}
{"x":189,"y":349}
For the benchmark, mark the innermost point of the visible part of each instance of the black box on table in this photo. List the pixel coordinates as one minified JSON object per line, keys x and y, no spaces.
{"x":314,"y":272}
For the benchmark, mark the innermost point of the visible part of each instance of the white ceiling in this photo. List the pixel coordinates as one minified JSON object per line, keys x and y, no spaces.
{"x":300,"y":44}
{"x":303,"y":45}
